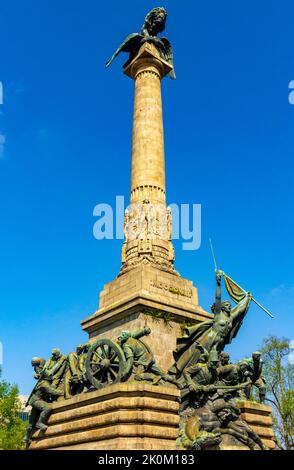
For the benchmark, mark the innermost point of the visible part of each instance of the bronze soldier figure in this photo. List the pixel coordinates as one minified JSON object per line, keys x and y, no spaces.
{"x":75,"y":376}
{"x":40,"y":399}
{"x":55,"y":368}
{"x":42,"y":395}
{"x":251,"y":368}
{"x":228,"y":373}
{"x":231,"y":423}
{"x":139,"y":356}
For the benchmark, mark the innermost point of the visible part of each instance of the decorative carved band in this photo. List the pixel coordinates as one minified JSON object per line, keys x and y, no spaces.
{"x":148,"y":72}
{"x":147,"y":191}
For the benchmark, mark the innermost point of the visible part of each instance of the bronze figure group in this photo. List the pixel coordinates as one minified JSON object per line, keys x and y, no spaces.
{"x":210,"y":384}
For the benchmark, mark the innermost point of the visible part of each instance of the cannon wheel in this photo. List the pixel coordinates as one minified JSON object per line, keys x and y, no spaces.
{"x":105,"y":363}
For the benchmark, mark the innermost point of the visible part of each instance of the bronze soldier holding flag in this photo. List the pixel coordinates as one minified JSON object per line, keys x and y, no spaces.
{"x":213,"y":334}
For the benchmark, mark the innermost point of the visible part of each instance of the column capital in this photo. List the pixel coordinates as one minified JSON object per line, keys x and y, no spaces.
{"x":148,"y":59}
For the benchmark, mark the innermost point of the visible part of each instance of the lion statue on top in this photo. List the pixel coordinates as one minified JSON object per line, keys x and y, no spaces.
{"x":154,"y":23}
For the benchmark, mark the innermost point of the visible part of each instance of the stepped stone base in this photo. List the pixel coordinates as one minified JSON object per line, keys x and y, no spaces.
{"x":129,"y":416}
{"x":259,"y":418}
{"x":132,"y":416}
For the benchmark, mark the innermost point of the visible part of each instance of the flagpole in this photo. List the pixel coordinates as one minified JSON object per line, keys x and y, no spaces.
{"x":263,"y":308}
{"x":255,"y":301}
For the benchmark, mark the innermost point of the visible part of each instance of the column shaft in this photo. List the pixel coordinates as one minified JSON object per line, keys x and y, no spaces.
{"x":148,"y":171}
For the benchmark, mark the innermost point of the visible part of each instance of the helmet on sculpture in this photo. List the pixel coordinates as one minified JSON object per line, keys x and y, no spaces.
{"x":213,"y":357}
{"x":56,"y":353}
{"x":224,"y":358}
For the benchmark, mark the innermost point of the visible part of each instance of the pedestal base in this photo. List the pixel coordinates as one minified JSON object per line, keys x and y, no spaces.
{"x":146,"y":296}
{"x":133,"y":416}
{"x":123,"y":416}
{"x":259,"y":418}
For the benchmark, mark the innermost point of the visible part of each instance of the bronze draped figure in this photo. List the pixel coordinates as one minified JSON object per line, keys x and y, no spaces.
{"x":210,"y":335}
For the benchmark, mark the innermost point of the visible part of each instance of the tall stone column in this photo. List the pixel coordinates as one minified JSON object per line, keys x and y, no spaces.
{"x":148,"y":221}
{"x":148,"y":172}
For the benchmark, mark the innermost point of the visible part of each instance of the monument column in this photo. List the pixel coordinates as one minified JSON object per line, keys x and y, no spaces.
{"x":148,"y":172}
{"x":148,"y":221}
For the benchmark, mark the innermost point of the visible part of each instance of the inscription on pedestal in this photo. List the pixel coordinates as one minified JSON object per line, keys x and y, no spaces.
{"x":171,"y":288}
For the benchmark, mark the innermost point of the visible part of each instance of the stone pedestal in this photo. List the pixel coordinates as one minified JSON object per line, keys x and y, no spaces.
{"x":146,"y":296}
{"x":129,"y":416}
{"x":259,"y":418}
{"x":132,"y":416}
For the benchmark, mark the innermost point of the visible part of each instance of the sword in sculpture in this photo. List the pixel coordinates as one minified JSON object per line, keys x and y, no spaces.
{"x":213,"y":255}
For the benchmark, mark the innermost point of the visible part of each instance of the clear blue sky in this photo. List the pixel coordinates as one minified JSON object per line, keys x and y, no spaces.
{"x":67,"y":123}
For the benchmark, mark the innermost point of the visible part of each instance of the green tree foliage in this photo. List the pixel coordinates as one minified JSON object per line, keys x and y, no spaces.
{"x":12,"y":428}
{"x":279,"y":375}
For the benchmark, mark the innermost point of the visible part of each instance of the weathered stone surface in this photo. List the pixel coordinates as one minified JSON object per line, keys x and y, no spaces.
{"x":111,"y":405}
{"x":270,"y":444}
{"x":131,"y":416}
{"x":121,"y":416}
{"x":148,"y":282}
{"x":126,"y":443}
{"x":257,"y":420}
{"x":126,"y":303}
{"x":230,"y":443}
{"x":259,"y":417}
{"x":148,"y":169}
{"x":254,"y":408}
